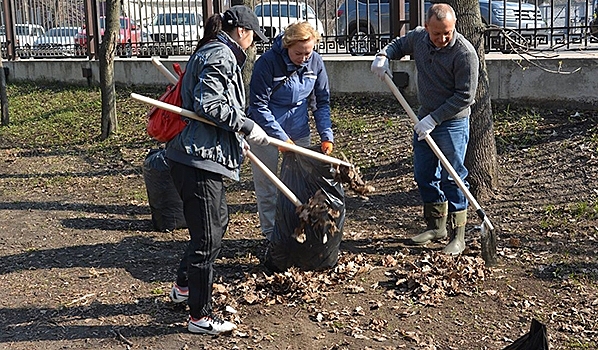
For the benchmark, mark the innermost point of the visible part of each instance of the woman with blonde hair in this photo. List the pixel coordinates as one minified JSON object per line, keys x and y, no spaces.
{"x":288,"y":81}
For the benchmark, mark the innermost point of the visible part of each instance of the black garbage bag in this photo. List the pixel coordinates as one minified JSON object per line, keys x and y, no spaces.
{"x":535,"y":339}
{"x":165,"y":203}
{"x":295,"y":242}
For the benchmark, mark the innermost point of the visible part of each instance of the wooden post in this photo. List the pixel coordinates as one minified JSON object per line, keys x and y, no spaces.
{"x":3,"y":96}
{"x":91,"y":28}
{"x":9,"y":28}
{"x":207,"y":9}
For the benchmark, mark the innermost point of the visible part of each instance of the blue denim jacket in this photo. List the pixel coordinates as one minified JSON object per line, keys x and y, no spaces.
{"x":213,"y":88}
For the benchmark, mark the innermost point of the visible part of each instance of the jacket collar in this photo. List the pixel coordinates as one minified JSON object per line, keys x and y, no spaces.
{"x":235,"y":48}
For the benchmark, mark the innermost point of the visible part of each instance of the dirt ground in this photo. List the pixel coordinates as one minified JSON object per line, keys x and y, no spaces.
{"x":82,"y":268}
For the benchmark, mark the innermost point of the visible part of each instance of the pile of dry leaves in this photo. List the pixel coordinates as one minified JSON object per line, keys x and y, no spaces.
{"x":427,"y":279}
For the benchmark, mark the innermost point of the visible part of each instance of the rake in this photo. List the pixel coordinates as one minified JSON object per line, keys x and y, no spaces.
{"x":486,"y":228}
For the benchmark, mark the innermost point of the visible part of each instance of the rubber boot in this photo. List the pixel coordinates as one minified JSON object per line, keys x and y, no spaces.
{"x":457,"y":223}
{"x":435,"y":217}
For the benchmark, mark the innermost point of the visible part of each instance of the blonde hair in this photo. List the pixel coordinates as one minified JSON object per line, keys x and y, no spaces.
{"x":299,"y":31}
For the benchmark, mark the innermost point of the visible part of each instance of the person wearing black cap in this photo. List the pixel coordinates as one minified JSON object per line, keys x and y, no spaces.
{"x":202,"y":154}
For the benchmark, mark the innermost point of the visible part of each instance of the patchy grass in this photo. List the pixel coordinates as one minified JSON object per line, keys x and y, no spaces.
{"x":61,"y":117}
{"x":515,"y":129}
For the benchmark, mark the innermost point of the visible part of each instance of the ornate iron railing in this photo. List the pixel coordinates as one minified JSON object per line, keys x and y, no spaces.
{"x":73,"y":28}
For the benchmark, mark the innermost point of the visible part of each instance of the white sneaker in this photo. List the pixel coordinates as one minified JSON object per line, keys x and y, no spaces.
{"x":210,"y":325}
{"x":179,"y":294}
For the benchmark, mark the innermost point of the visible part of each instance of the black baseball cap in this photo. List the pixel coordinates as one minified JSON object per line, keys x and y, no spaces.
{"x":242,"y":16}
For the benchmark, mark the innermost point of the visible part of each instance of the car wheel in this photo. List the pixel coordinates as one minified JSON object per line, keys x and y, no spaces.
{"x":360,"y":42}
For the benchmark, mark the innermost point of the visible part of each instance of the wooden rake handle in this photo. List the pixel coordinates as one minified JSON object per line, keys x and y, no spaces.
{"x":279,"y":184}
{"x":275,"y":180}
{"x":255,"y":160}
{"x":274,"y":142}
{"x":171,"y":77}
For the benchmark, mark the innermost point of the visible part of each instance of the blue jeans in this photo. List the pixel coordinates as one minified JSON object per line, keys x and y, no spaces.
{"x":433,"y":181}
{"x":265,"y":190}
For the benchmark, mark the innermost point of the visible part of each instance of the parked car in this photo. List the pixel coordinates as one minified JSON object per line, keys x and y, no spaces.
{"x":275,"y":16}
{"x":129,"y":36}
{"x":175,"y":33}
{"x":360,"y":22}
{"x":25,"y":34}
{"x":59,"y":41}
{"x":512,"y":15}
{"x":177,"y":27}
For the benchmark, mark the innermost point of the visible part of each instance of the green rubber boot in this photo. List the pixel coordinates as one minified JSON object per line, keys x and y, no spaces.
{"x":435,"y":217}
{"x":457,"y":223}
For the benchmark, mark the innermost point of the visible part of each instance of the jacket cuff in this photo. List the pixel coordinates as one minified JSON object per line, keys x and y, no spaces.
{"x":247,"y":126}
{"x":384,"y":52}
{"x":436,"y":119}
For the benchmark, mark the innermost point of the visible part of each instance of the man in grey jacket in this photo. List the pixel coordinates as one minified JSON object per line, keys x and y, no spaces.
{"x":447,"y":71}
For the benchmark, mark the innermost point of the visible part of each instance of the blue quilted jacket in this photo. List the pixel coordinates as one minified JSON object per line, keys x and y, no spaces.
{"x":284,"y":113}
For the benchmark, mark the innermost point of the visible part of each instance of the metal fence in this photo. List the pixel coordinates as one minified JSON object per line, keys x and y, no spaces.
{"x":74,"y":28}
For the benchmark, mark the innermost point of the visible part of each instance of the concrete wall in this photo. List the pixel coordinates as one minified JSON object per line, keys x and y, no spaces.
{"x":570,"y":80}
{"x":565,"y":80}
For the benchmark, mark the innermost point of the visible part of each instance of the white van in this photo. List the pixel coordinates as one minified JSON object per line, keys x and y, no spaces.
{"x":275,"y":16}
{"x":178,"y":27}
{"x":25,"y":34}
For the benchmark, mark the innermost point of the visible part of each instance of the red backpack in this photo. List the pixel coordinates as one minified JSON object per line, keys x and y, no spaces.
{"x":163,"y":125}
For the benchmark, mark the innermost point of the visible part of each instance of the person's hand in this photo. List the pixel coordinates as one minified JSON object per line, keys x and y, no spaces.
{"x":258,"y":136}
{"x":424,"y":127}
{"x":327,"y":147}
{"x":282,"y":149}
{"x":244,"y":147}
{"x":380,"y":67}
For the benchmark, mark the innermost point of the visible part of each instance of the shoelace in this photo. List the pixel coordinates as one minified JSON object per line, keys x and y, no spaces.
{"x":215,"y":319}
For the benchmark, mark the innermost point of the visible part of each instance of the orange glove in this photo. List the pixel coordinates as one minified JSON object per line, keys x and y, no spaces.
{"x":327,"y":147}
{"x":280,"y":149}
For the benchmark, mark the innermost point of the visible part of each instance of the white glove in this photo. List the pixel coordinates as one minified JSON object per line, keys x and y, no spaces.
{"x":424,"y":127}
{"x":244,"y":147}
{"x":380,"y":67}
{"x":258,"y":136}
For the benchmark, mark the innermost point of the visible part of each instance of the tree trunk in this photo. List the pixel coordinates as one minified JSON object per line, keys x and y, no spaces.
{"x":248,"y":70}
{"x":106,"y":56}
{"x":481,"y":152}
{"x":3,"y":96}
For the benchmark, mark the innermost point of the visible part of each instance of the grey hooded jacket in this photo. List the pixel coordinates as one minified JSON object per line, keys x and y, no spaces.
{"x":213,"y":87}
